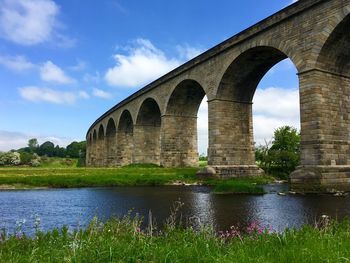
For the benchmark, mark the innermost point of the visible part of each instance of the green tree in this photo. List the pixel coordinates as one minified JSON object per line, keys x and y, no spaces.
{"x":76,"y":149}
{"x":284,"y":154}
{"x":33,"y":144}
{"x":47,"y":148}
{"x":60,"y":151}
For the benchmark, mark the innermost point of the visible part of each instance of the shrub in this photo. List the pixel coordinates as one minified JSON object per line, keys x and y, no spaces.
{"x":10,"y":158}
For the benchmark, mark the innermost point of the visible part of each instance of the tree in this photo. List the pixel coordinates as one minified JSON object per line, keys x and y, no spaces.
{"x":284,"y":154}
{"x":33,"y":144}
{"x":47,"y":148}
{"x":60,"y":151}
{"x":76,"y":149}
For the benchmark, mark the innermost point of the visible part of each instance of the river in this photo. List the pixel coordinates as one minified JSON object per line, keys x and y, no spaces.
{"x":76,"y":207}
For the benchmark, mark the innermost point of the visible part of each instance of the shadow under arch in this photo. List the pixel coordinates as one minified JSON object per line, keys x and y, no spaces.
{"x":93,"y":148}
{"x":147,"y":133}
{"x":179,"y":125}
{"x":100,"y":146}
{"x":335,"y":53}
{"x":111,"y":142}
{"x":231,"y":139}
{"x":125,"y":133}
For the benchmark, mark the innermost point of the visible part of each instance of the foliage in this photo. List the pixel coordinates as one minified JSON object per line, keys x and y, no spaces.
{"x":76,"y":149}
{"x":202,"y":157}
{"x":26,"y":157}
{"x":47,"y":148}
{"x":283,"y":156}
{"x":124,"y":240}
{"x":33,"y":144}
{"x":10,"y":158}
{"x":36,"y":160}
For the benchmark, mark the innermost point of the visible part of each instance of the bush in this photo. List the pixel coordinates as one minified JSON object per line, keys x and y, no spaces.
{"x":36,"y":161}
{"x":26,"y":157}
{"x":10,"y":158}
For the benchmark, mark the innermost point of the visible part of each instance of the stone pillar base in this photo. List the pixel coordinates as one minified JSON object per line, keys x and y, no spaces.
{"x":321,"y":178}
{"x":231,"y":171}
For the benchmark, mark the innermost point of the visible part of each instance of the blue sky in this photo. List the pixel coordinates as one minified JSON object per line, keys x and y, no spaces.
{"x":64,"y":63}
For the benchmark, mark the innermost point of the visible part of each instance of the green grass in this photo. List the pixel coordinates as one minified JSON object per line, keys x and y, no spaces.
{"x":57,"y":162}
{"x":121,"y":240}
{"x":88,"y":177}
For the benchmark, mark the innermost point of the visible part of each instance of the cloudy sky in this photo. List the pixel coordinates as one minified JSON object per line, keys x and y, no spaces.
{"x":64,"y":63}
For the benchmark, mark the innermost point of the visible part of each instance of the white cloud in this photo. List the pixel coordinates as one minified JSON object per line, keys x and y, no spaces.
{"x":16,"y":63}
{"x":83,"y":95}
{"x":28,"y":22}
{"x":187,"y":52}
{"x":38,"y":94}
{"x":142,"y":64}
{"x":101,"y":94}
{"x":273,"y":108}
{"x":52,"y":73}
{"x":202,"y":127}
{"x":277,"y":102}
{"x":15,"y":140}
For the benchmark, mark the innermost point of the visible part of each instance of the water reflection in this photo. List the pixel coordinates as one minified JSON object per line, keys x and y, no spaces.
{"x":76,"y":207}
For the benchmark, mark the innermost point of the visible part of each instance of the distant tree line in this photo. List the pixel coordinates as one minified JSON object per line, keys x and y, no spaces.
{"x":33,"y":153}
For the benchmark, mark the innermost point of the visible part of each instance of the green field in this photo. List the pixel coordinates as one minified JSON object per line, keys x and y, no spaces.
{"x":122,"y":240}
{"x":88,"y":177}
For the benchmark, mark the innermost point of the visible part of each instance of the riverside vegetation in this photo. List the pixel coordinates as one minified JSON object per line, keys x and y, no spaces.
{"x":142,"y":174}
{"x":123,"y":240}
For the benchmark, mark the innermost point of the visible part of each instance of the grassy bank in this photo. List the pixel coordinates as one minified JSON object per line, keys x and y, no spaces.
{"x":89,"y":177}
{"x":123,"y":241}
{"x":250,"y":185}
{"x":57,"y":173}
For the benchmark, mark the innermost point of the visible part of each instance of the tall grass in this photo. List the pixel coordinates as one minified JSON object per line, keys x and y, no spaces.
{"x":122,"y":240}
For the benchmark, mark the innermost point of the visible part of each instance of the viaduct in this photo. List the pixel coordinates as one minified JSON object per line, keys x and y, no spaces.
{"x":157,"y":124}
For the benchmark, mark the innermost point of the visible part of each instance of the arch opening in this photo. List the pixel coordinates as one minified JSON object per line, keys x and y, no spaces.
{"x":179,"y":133}
{"x":147,"y":133}
{"x":111,"y":136}
{"x":93,"y":148}
{"x":231,"y":112}
{"x":125,"y":133}
{"x":100,"y":147}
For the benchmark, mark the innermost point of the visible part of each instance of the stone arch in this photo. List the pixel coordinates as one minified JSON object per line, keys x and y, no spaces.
{"x":147,"y":133}
{"x":335,"y":53}
{"x":125,"y":132}
{"x":179,"y":125}
{"x":230,"y":112}
{"x":111,"y":142}
{"x":244,"y":74}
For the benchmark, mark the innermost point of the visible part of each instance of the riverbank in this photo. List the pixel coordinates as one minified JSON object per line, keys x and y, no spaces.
{"x":122,"y":240}
{"x":134,"y":175}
